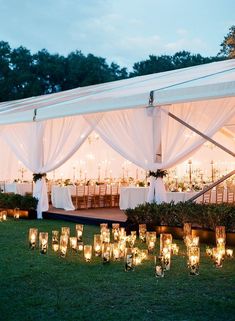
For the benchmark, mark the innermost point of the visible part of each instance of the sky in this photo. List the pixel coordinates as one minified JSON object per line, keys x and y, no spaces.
{"x":122,"y":31}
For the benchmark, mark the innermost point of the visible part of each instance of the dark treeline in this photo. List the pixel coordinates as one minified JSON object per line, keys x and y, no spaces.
{"x":23,"y":74}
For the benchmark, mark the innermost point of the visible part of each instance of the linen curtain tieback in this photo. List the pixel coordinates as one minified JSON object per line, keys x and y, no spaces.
{"x":37,"y":176}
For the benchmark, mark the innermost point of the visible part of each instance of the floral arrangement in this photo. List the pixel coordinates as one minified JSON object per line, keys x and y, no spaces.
{"x":159,"y":173}
{"x":37,"y":176}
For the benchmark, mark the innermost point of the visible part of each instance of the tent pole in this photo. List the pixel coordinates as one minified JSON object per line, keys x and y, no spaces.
{"x":211,"y":186}
{"x":201,"y":134}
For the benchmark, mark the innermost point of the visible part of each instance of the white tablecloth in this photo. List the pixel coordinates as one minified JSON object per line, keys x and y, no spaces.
{"x":18,"y":188}
{"x":61,"y":197}
{"x":130,"y":197}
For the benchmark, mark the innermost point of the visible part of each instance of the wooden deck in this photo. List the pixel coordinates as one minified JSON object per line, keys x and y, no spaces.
{"x":88,"y":216}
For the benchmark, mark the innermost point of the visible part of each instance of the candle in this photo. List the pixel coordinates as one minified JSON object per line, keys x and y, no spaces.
{"x":106,"y":252}
{"x":151,"y":240}
{"x":115,"y":231}
{"x":175,"y":249}
{"x":193,"y":260}
{"x":142,"y":232}
{"x":55,"y":241}
{"x":129,"y":266}
{"x":97,"y":244}
{"x":229,"y":253}
{"x":33,"y":232}
{"x":79,"y":231}
{"x":63,"y":244}
{"x":73,"y":243}
{"x":16,"y":213}
{"x":116,"y":251}
{"x":65,"y":231}
{"x":80,"y":246}
{"x":87,"y":252}
{"x":43,"y":242}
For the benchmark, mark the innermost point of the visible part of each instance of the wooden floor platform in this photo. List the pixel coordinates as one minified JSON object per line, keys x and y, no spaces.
{"x":93,"y":216}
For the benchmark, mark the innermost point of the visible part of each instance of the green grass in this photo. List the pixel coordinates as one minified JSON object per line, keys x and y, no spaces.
{"x":46,"y":287}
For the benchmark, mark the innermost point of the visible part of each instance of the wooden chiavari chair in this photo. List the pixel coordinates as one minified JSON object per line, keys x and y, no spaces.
{"x":219,"y":194}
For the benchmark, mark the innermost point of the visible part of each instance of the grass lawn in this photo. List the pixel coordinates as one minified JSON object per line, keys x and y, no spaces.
{"x":46,"y":287}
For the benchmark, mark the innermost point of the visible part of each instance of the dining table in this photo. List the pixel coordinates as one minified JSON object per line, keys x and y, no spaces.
{"x":61,"y":197}
{"x":130,"y":197}
{"x":19,"y":188}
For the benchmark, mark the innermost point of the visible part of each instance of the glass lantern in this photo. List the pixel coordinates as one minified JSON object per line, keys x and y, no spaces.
{"x":33,"y":235}
{"x":43,"y":242}
{"x":55,"y":241}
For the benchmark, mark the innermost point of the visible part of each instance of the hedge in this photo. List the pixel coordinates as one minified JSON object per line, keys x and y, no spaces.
{"x":206,"y":216}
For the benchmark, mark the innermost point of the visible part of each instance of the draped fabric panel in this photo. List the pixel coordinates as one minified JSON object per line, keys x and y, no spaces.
{"x":44,"y":146}
{"x":135,"y":133}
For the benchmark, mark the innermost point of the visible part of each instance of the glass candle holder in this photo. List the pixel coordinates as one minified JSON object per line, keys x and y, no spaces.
{"x":97,"y":244}
{"x":106,"y":252}
{"x":151,"y":238}
{"x":122,"y":247}
{"x":159,"y":270}
{"x":209,"y":252}
{"x":80,"y":246}
{"x":129,"y":264}
{"x":43,"y":242}
{"x":229,"y":253}
{"x":187,"y":230}
{"x":103,"y":226}
{"x":193,"y":259}
{"x":166,"y":258}
{"x":122,"y":233}
{"x":73,"y":243}
{"x":79,"y":231}
{"x":65,"y":231}
{"x":55,"y":240}
{"x":87,"y":252}
{"x":132,"y":239}
{"x":1,"y":219}
{"x":64,"y":239}
{"x":142,"y":232}
{"x":4,"y":215}
{"x":16,"y":213}
{"x":105,"y":235}
{"x":174,"y":249}
{"x":115,"y":231}
{"x":220,"y":235}
{"x":33,"y":235}
{"x":116,"y":252}
{"x":165,"y":241}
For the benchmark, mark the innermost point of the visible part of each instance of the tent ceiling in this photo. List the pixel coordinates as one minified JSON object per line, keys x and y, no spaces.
{"x":209,"y":81}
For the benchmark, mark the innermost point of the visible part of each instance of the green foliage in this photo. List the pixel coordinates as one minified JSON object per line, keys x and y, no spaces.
{"x":181,"y":59}
{"x":200,"y":215}
{"x":12,"y":201}
{"x":228,"y":44}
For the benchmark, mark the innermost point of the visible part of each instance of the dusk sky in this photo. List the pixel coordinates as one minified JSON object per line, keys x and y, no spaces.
{"x":119,"y":30}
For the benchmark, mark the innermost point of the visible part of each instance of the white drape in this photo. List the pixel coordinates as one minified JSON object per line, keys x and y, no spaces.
{"x":44,"y":146}
{"x":139,"y":134}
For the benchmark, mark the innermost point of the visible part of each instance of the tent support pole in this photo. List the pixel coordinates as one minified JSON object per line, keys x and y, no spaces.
{"x":213,"y":142}
{"x":201,"y":134}
{"x":211,"y":186}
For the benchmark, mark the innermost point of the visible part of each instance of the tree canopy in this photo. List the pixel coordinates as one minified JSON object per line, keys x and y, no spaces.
{"x":23,"y":74}
{"x":228,"y":44}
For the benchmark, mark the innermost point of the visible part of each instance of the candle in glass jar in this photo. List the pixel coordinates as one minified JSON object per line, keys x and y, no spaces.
{"x":229,"y":253}
{"x":87,"y":252}
{"x":33,"y":232}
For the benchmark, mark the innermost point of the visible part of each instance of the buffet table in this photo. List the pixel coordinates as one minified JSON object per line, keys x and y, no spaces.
{"x":130,"y":197}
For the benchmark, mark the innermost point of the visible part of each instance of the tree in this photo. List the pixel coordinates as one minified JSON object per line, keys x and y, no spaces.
{"x":228,"y":45}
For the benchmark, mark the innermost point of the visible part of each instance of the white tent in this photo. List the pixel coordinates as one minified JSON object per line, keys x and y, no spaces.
{"x":45,"y":131}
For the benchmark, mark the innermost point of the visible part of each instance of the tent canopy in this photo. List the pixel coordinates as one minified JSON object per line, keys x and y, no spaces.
{"x":45,"y":131}
{"x":203,"y":82}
